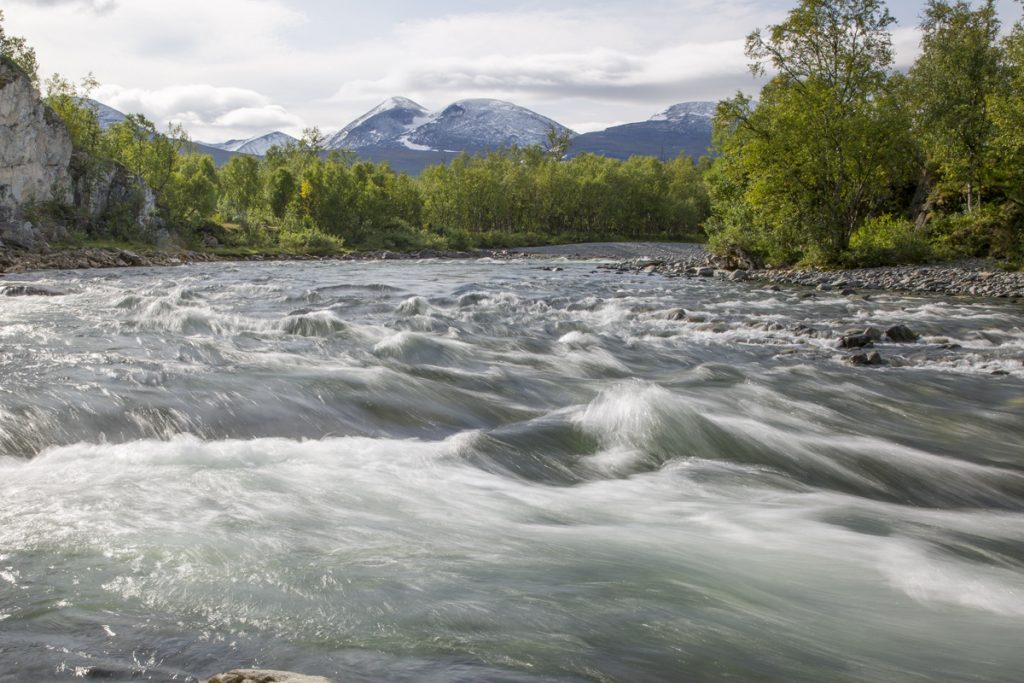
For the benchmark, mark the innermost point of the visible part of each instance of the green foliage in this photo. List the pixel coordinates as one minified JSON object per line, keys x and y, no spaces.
{"x":68,"y":101}
{"x":888,"y":240}
{"x":827,"y":147}
{"x":993,"y":229}
{"x":950,"y":84}
{"x":525,"y":191}
{"x":308,"y":240}
{"x":16,"y":49}
{"x":190,"y":195}
{"x":240,"y":186}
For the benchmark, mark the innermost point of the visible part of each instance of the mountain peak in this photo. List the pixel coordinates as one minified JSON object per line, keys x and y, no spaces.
{"x":387,"y":121}
{"x":479,"y":123}
{"x":258,"y":145}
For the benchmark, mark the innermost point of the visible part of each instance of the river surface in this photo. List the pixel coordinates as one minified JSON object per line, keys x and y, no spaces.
{"x":481,"y":471}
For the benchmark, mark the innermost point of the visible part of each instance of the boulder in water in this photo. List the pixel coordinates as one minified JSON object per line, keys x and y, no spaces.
{"x":854,"y":341}
{"x":901,"y":334}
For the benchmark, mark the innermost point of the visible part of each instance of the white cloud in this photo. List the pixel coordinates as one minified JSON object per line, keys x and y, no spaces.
{"x":210,"y":113}
{"x":279,"y":63}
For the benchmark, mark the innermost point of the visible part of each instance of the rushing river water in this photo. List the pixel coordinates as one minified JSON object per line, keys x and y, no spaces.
{"x":476,"y":471}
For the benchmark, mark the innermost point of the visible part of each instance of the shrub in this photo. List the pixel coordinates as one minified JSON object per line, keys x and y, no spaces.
{"x":887,"y":240}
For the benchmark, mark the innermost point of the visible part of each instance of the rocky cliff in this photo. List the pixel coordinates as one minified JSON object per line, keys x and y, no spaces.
{"x":35,"y":152}
{"x":47,"y":187}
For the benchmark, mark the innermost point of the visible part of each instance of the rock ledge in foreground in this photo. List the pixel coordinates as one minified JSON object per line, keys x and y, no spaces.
{"x":264,"y":676}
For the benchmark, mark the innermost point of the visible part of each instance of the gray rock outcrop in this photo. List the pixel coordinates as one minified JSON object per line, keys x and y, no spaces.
{"x":35,"y":153}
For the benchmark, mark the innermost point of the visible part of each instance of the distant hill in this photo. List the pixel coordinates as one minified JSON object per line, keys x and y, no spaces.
{"x":681,"y":129}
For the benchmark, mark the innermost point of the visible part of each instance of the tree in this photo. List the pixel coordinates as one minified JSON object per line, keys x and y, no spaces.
{"x":190,"y":196}
{"x":281,"y":190}
{"x":18,"y":51}
{"x":828,"y":144}
{"x":240,"y":186}
{"x":69,"y":102}
{"x":950,"y":82}
{"x":558,"y":142}
{"x":136,"y":144}
{"x":1006,"y":107}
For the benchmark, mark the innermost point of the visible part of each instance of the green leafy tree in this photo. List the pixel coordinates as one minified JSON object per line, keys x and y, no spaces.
{"x":1007,"y":112}
{"x":241,"y":186}
{"x":827,"y":146}
{"x":69,"y":101}
{"x":951,"y":82}
{"x":281,"y":191}
{"x":190,"y":195}
{"x":136,"y":144}
{"x":18,"y":51}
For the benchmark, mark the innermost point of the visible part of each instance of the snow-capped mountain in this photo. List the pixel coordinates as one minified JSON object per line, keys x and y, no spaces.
{"x":467,"y":125}
{"x":257,"y":146}
{"x":404,"y":134}
{"x":683,"y":128}
{"x":388,"y":122}
{"x":482,"y":124}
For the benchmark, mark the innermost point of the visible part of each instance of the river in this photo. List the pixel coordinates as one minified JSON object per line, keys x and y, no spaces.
{"x":491,"y":471}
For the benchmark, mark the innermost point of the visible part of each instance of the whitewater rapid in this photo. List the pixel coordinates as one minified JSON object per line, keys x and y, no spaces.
{"x":486,"y":471}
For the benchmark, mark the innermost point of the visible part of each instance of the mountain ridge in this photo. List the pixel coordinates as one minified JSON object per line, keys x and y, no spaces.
{"x":407,"y":135}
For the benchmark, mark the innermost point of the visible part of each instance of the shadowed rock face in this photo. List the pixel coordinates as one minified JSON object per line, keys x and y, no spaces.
{"x":264,"y":676}
{"x":35,"y":151}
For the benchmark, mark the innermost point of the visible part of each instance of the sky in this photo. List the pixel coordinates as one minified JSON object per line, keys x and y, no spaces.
{"x":239,"y":68}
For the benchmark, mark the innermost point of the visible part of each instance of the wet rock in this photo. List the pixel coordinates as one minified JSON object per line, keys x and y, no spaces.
{"x":28,"y":290}
{"x":866,"y":359}
{"x":705,"y":272}
{"x":874,"y":333}
{"x":264,"y":676}
{"x":674,"y":314}
{"x":854,"y":341}
{"x":901,"y":334}
{"x":738,"y":275}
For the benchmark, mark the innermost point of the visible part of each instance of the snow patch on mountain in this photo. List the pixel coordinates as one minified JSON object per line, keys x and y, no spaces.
{"x":385,"y":123}
{"x":257,"y":146}
{"x":478,"y":124}
{"x":687,"y":110}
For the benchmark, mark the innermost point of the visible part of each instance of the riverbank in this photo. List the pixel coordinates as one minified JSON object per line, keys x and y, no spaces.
{"x":13,"y":262}
{"x":967,"y":277}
